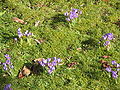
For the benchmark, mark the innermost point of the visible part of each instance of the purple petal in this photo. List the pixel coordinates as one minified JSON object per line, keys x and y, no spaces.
{"x":66,"y":14}
{"x":5,"y":68}
{"x":68,"y":19}
{"x":54,"y":58}
{"x":108,"y":36}
{"x":26,"y":32}
{"x":54,"y":63}
{"x":118,"y":69}
{"x":44,"y":61}
{"x":59,"y":60}
{"x":11,"y":66}
{"x":29,"y":34}
{"x":114,"y":62}
{"x":75,"y":10}
{"x":6,"y":55}
{"x":19,"y":33}
{"x":108,"y":69}
{"x":71,"y":16}
{"x":41,"y":63}
{"x":117,"y":65}
{"x":8,"y":62}
{"x":7,"y":87}
{"x":50,"y":65}
{"x":107,"y":43}
{"x":4,"y":64}
{"x":49,"y":59}
{"x":15,"y":39}
{"x":50,"y":71}
{"x":52,"y":68}
{"x":114,"y":74}
{"x":104,"y":37}
{"x":80,"y":12}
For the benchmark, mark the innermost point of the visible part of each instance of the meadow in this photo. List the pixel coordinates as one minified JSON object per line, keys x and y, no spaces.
{"x":74,"y":42}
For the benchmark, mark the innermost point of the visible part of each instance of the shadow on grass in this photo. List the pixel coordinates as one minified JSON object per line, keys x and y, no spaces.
{"x":117,"y":23}
{"x":89,"y":44}
{"x":35,"y":68}
{"x":6,"y":37}
{"x":4,"y":80}
{"x":57,"y":19}
{"x":93,"y":74}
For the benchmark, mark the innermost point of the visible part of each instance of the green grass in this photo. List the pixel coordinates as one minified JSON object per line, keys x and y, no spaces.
{"x":61,"y":40}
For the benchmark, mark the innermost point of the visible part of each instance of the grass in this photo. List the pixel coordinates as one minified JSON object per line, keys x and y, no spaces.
{"x":61,"y":40}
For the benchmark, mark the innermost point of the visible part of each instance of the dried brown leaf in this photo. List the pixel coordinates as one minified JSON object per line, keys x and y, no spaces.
{"x":39,"y":41}
{"x":70,"y":65}
{"x":105,"y":56}
{"x":24,"y":72}
{"x":18,"y":20}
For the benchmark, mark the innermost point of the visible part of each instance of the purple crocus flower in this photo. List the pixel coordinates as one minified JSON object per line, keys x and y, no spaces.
{"x":27,"y":33}
{"x":41,"y":63}
{"x":8,"y":62}
{"x":108,"y":69}
{"x":51,"y":63}
{"x":7,"y":87}
{"x":114,"y":62}
{"x":7,"y":56}
{"x":108,"y":36}
{"x":19,"y":33}
{"x":107,"y":43}
{"x":73,"y":14}
{"x":114,"y":74}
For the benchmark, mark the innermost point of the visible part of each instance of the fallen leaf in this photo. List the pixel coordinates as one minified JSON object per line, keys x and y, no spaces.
{"x":105,"y":65}
{"x":39,"y":41}
{"x":105,"y":0}
{"x":20,"y":75}
{"x":103,"y":62}
{"x":79,"y":49}
{"x":19,"y":20}
{"x":70,"y":65}
{"x":24,"y":72}
{"x":105,"y":56}
{"x":39,"y":59}
{"x":117,"y":23}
